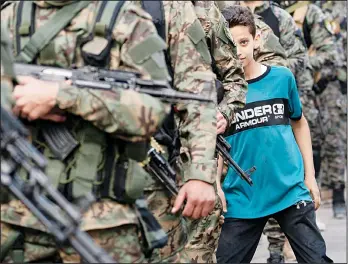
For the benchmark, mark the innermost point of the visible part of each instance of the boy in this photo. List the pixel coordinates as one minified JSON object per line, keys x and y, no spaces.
{"x":272,"y":134}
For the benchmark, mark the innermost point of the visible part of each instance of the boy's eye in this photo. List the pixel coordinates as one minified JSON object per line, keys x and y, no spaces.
{"x":243,"y":42}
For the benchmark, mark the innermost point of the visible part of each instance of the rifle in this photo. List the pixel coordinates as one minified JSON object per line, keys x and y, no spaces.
{"x":223,"y":147}
{"x":160,"y":168}
{"x":61,"y":218}
{"x":57,"y":136}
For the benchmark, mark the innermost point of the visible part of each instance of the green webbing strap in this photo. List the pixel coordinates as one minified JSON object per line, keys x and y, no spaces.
{"x":25,"y":29}
{"x":108,"y":18}
{"x":44,"y":35}
{"x":15,"y":241}
{"x":6,"y":56}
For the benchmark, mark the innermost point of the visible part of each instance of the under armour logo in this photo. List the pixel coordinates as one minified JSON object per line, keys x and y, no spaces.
{"x":278,"y":109}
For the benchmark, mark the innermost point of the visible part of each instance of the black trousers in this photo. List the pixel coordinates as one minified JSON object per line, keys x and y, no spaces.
{"x":239,"y":237}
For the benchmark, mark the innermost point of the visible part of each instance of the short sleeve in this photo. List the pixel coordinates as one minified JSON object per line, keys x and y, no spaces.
{"x":295,"y":105}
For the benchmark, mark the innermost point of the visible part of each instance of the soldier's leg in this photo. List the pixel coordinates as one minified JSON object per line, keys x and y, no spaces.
{"x":122,"y":243}
{"x":335,"y":148}
{"x":276,"y":240}
{"x":160,"y":204}
{"x":204,"y":236}
{"x":33,"y":245}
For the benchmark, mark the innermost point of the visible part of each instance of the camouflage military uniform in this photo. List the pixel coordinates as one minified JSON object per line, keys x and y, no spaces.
{"x":196,"y":123}
{"x":113,"y":226}
{"x":335,"y":148}
{"x":204,"y":233}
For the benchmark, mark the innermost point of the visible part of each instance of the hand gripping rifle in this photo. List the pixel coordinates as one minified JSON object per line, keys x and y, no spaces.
{"x":57,"y":136}
{"x":61,"y":218}
{"x":223,"y":148}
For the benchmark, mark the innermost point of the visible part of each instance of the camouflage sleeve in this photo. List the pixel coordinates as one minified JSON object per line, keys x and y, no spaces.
{"x":269,"y":51}
{"x":230,"y":69}
{"x":138,"y":48}
{"x":121,"y":112}
{"x":322,"y":39}
{"x":118,"y":111}
{"x":197,"y":122}
{"x":291,"y":40}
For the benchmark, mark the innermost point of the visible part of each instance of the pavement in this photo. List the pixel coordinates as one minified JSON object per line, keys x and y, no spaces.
{"x":335,"y":236}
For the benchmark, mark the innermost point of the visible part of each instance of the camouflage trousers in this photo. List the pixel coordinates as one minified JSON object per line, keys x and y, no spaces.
{"x":335,"y":144}
{"x":275,"y":236}
{"x":160,"y":203}
{"x":204,"y":236}
{"x":113,"y":226}
{"x":121,"y":243}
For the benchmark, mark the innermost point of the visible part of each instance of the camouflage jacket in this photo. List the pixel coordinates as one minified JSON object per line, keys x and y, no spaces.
{"x":118,"y":111}
{"x":269,"y":52}
{"x":290,"y":37}
{"x":224,"y":53}
{"x":192,"y":73}
{"x":115,"y":111}
{"x":324,"y":52}
{"x":338,"y":19}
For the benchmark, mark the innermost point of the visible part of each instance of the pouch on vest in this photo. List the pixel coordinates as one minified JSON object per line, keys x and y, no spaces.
{"x":95,"y":49}
{"x":129,"y":180}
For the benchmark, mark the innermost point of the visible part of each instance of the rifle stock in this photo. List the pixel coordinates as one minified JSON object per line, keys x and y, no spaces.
{"x":223,"y":147}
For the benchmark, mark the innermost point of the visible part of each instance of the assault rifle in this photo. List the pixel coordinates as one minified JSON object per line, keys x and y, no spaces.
{"x":61,"y":218}
{"x":223,"y":148}
{"x":160,"y":168}
{"x":56,"y":135}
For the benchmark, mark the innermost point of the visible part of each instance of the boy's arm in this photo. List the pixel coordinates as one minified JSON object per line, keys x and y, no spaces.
{"x":303,"y":138}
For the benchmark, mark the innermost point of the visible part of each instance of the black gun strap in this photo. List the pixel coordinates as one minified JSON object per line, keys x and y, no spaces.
{"x":156,"y":10}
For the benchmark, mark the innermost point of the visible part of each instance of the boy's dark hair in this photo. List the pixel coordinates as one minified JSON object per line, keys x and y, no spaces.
{"x":237,"y":15}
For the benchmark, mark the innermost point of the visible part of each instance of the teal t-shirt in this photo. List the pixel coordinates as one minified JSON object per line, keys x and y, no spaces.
{"x":261,"y":136}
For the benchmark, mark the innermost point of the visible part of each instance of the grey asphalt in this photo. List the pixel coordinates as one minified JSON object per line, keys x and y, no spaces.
{"x":335,"y":236}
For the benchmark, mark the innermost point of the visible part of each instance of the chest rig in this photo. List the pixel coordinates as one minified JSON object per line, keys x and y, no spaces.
{"x":97,"y":158}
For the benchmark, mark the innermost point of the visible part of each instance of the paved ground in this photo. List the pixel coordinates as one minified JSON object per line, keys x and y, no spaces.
{"x":334,"y":235}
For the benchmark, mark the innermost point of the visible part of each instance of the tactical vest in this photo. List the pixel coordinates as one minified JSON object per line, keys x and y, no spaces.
{"x":271,"y":20}
{"x":93,"y":165}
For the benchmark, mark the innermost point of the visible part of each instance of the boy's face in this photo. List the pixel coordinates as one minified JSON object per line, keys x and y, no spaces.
{"x":245,"y":43}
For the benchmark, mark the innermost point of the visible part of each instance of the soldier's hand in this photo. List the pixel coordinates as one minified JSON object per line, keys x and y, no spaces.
{"x":221,"y":123}
{"x":200,"y":199}
{"x":35,"y":98}
{"x":314,"y":191}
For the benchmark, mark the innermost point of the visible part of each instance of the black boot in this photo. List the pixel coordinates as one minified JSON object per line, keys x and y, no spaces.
{"x":275,"y":258}
{"x":338,"y":203}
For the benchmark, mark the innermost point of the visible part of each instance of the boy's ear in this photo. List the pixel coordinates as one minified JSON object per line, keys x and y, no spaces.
{"x":257,"y":39}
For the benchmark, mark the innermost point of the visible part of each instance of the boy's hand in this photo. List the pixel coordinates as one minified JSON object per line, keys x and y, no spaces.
{"x":314,"y":191}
